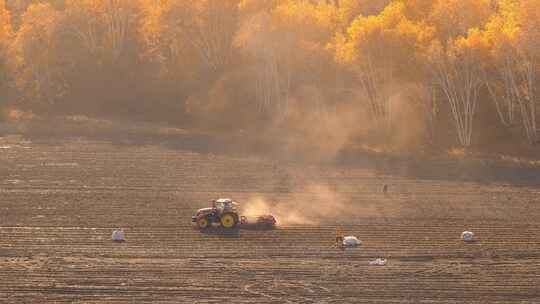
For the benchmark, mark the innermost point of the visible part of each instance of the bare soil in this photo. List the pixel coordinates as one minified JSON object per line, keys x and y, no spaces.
{"x":59,"y":203}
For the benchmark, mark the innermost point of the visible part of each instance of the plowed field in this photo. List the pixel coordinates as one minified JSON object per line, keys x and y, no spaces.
{"x":60,"y":201}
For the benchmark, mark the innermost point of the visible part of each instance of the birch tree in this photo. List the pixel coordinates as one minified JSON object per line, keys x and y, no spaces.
{"x":457,"y":58}
{"x":6,"y":30}
{"x":5,"y":23}
{"x":36,"y":56}
{"x":454,"y":18}
{"x":285,"y":41}
{"x":207,"y":26}
{"x":501,"y":87}
{"x":527,"y":60}
{"x":101,"y":26}
{"x":82,"y":22}
{"x":424,"y":95}
{"x":5,"y":38}
{"x":457,"y":70}
{"x":381,"y":50}
{"x":256,"y":40}
{"x":118,"y":16}
{"x":514,"y":33}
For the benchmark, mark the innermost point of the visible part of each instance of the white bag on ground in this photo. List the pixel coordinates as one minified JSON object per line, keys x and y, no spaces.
{"x":467,"y":236}
{"x":378,"y":262}
{"x":118,"y":235}
{"x":351,"y":241}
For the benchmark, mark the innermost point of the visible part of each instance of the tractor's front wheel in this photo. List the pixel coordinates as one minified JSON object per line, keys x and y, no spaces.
{"x":203,"y":223}
{"x":228,"y":221}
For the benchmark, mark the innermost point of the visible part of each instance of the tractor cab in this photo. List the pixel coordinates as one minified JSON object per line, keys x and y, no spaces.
{"x":224,"y":205}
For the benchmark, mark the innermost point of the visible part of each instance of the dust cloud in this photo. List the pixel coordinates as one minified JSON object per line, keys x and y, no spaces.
{"x":309,"y":206}
{"x":317,"y":134}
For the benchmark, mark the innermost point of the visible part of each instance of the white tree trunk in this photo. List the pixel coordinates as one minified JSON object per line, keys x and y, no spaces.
{"x":500,"y":89}
{"x":210,"y":31}
{"x":426,"y":95}
{"x":525,"y":90}
{"x":376,"y":83}
{"x":460,"y":80}
{"x":117,"y":16}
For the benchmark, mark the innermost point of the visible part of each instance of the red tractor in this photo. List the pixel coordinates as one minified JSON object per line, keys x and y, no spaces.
{"x":225,"y":213}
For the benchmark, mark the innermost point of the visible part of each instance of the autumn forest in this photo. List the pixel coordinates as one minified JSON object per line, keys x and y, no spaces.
{"x":400,"y":73}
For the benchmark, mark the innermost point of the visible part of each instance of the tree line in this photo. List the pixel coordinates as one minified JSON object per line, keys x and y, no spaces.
{"x":459,"y":69}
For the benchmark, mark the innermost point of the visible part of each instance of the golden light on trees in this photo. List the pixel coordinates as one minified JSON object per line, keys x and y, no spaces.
{"x":382,"y":49}
{"x":5,"y":39}
{"x":455,"y":17}
{"x":467,"y":63}
{"x":5,"y":22}
{"x":35,"y":51}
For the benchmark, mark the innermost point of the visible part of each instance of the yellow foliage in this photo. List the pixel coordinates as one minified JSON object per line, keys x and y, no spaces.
{"x":38,"y":24}
{"x":515,"y":25}
{"x":150,"y":27}
{"x":502,"y":28}
{"x":475,"y":43}
{"x":18,"y":115}
{"x":252,"y":6}
{"x":457,"y":152}
{"x":5,"y":23}
{"x":505,"y":23}
{"x":299,"y":12}
{"x":34,"y":49}
{"x":388,"y":37}
{"x":455,"y":17}
{"x":529,"y":20}
{"x":418,"y":9}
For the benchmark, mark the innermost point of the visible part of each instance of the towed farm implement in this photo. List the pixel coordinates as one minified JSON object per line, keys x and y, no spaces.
{"x":224,"y":213}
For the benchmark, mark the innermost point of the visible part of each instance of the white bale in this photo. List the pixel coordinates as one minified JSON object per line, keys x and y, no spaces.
{"x":378,"y":262}
{"x":467,"y":236}
{"x":118,"y":235}
{"x":351,"y":241}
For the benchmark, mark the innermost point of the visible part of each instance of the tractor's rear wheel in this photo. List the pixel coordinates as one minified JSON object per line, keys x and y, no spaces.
{"x":203,"y":223}
{"x":228,"y":221}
